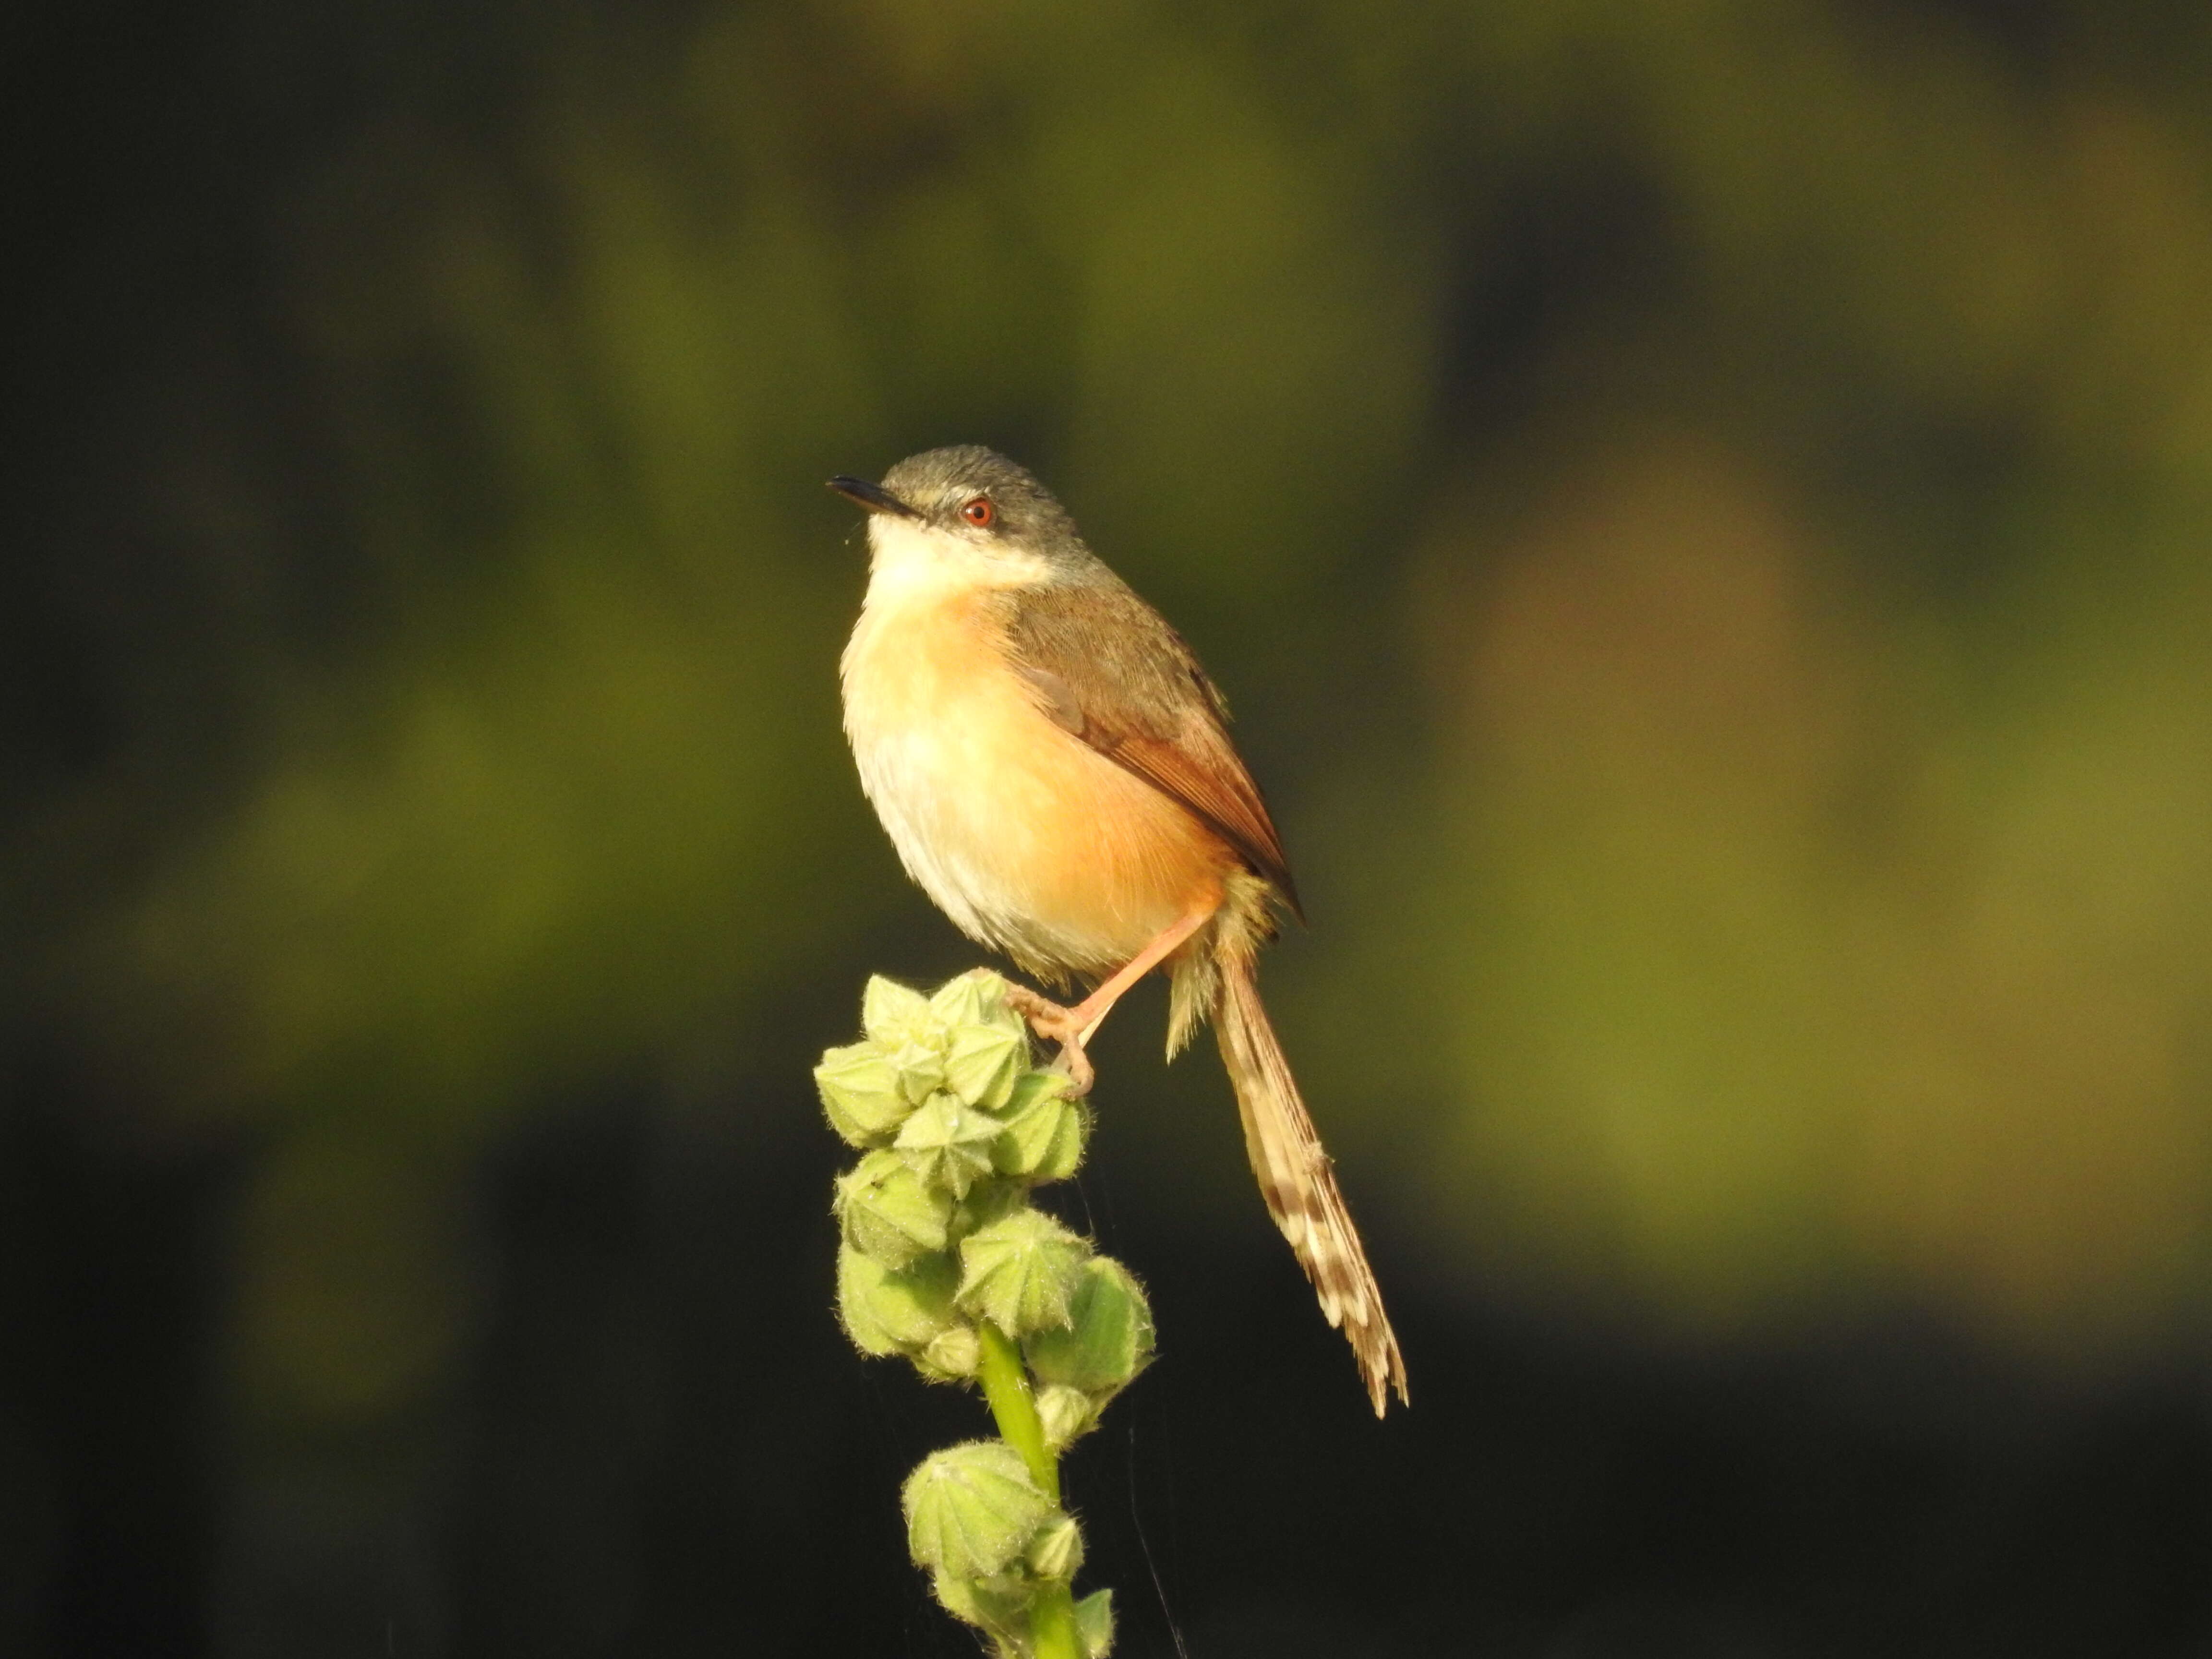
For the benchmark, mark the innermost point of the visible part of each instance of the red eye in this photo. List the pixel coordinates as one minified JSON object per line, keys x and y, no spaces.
{"x":980,"y":513}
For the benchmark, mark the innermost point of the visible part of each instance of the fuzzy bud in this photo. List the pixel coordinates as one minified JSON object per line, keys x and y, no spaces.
{"x":999,"y":1603}
{"x":951,"y":1355}
{"x":948,"y":1145}
{"x":1022,"y":1272}
{"x":971,"y":1510}
{"x":1107,"y":1339}
{"x":982,"y":1063}
{"x":977,"y":997}
{"x":1045,"y":1129}
{"x":1065,"y":1414}
{"x":861,"y":1094}
{"x":1094,"y":1624}
{"x":1057,"y":1550}
{"x":885,"y":1312}
{"x":987,"y":1201}
{"x":986,"y":1044}
{"x":888,"y":1213}
{"x":920,"y":1068}
{"x":891,"y":1013}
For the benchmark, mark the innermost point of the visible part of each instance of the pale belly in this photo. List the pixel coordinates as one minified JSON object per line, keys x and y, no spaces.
{"x":1029,"y":839}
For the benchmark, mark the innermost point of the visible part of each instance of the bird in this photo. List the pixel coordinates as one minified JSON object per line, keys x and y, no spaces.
{"x":1054,"y":769}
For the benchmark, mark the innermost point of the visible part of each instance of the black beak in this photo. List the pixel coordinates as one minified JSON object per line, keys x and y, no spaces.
{"x":874,"y":497}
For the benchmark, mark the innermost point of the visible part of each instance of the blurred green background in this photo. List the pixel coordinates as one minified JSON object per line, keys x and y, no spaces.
{"x":1704,"y":511}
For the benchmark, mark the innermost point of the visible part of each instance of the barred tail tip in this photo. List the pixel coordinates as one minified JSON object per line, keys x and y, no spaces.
{"x":1299,"y":1185}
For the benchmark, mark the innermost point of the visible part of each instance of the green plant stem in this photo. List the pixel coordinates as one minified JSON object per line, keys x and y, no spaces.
{"x":1013,"y":1404}
{"x":1052,"y":1623}
{"x":1014,"y":1407}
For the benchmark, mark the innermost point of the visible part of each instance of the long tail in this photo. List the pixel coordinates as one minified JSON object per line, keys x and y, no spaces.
{"x":1295,"y":1174}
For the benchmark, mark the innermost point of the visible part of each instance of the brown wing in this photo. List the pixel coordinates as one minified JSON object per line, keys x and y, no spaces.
{"x":1107,"y":667}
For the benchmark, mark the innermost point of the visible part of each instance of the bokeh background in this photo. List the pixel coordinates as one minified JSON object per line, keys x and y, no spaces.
{"x":1705,"y":510}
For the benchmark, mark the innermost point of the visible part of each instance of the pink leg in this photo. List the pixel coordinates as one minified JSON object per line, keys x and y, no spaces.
{"x":1091,"y":1013}
{"x":1072,"y":1028}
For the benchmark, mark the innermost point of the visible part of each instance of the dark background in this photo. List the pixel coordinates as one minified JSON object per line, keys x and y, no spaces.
{"x":1702,"y":510}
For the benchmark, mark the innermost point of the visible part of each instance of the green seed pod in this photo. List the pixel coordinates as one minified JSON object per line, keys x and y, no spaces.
{"x":948,"y":1145}
{"x":982,"y":1063}
{"x":1094,"y":1624}
{"x":868,"y":1334}
{"x":951,"y":1355}
{"x":888,"y":1213}
{"x":1107,"y":1339}
{"x":977,"y":997}
{"x":1022,"y":1272}
{"x":885,"y":1312}
{"x":1057,"y":1550}
{"x":861,"y":1094}
{"x":891,"y":1014}
{"x":1065,"y":1413}
{"x":999,"y":1603}
{"x":986,"y":1202}
{"x":920,"y":1070}
{"x":971,"y":1510}
{"x":1045,"y":1129}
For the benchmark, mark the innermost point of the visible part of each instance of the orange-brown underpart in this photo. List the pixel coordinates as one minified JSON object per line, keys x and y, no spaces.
{"x":1024,"y":834}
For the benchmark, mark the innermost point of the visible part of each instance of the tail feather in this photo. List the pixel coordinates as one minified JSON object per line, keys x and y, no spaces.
{"x":1296,"y":1177}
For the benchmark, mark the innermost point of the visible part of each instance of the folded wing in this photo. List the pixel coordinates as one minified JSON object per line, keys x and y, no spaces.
{"x":1107,"y":668}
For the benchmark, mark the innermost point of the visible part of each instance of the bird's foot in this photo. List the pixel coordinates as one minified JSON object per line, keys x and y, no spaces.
{"x":1055,"y":1024}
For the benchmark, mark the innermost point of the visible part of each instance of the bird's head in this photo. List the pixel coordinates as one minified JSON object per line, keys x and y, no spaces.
{"x":968,"y":512}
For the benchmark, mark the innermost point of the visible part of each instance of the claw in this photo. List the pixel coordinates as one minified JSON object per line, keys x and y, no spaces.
{"x":1055,"y":1024}
{"x":1076,"y":1064}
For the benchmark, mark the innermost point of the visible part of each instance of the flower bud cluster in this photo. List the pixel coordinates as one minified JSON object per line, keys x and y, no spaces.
{"x":940,"y":1241}
{"x":991,"y":1540}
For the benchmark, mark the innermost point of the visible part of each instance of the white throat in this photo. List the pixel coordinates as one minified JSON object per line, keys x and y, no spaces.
{"x":908,"y":558}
